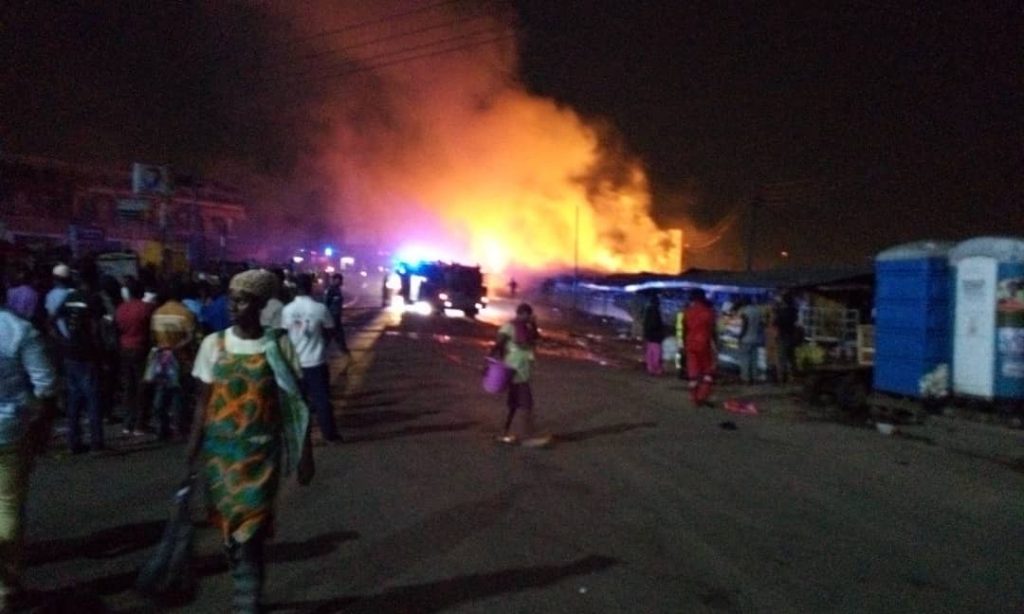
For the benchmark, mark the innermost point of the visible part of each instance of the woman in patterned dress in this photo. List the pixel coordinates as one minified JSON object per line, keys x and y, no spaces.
{"x":250,"y":425}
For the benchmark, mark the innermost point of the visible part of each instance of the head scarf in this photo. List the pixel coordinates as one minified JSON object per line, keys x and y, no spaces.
{"x":260,"y":283}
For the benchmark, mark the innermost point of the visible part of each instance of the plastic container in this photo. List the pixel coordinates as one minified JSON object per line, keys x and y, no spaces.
{"x":497,"y":376}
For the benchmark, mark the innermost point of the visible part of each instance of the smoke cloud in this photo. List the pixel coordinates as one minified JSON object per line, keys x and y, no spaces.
{"x":392,"y":123}
{"x":428,"y":138}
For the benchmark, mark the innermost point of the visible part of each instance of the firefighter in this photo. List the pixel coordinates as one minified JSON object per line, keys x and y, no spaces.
{"x":701,"y":349}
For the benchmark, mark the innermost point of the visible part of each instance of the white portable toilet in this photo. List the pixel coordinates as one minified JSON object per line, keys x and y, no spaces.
{"x":988,"y":326}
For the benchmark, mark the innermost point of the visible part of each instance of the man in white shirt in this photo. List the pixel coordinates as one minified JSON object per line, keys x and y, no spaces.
{"x":270,"y":317}
{"x":55,"y":299}
{"x":306,"y":320}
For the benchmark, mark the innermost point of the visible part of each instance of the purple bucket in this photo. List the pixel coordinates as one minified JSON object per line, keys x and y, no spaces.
{"x":497,"y":377}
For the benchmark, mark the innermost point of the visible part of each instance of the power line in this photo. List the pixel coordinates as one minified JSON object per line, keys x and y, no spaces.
{"x":370,"y":22}
{"x":448,"y":24}
{"x":289,"y":79}
{"x":470,"y":45}
{"x":444,"y":46}
{"x":292,"y":42}
{"x":399,"y":61}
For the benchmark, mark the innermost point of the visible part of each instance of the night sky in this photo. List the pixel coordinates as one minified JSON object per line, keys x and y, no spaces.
{"x":863,"y":124}
{"x":860,"y":125}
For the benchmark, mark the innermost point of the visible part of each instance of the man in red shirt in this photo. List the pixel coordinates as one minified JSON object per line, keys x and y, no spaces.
{"x":701,"y":349}
{"x":132,"y":318}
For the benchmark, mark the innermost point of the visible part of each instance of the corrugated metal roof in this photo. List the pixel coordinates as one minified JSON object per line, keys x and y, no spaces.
{"x":751,"y":281}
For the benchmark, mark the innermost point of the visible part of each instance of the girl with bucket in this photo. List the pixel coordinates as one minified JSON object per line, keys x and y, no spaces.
{"x":515,"y":345}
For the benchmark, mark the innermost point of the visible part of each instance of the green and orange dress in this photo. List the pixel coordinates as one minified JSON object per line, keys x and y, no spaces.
{"x":253,"y":428}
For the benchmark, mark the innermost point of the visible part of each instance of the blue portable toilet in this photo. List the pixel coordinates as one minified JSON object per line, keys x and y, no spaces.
{"x":988,"y":339}
{"x":912,"y":315}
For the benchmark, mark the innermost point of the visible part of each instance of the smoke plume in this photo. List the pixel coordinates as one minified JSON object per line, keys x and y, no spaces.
{"x":428,"y":138}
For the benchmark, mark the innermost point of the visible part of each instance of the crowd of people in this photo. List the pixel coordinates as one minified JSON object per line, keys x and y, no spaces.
{"x":238,"y":368}
{"x":125,"y":348}
{"x":249,"y":355}
{"x":772,"y":326}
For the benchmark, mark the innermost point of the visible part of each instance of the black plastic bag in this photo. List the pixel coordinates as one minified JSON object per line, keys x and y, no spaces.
{"x":168,"y":574}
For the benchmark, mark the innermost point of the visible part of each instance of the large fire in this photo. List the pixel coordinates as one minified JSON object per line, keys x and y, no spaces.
{"x":450,"y":152}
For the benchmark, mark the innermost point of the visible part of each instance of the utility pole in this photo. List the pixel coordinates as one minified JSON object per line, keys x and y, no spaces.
{"x":752,"y":231}
{"x":682,"y":251}
{"x":194,"y":259}
{"x":165,"y":249}
{"x":576,"y":260}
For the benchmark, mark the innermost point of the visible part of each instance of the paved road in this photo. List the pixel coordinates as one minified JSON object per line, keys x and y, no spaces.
{"x":643,"y":505}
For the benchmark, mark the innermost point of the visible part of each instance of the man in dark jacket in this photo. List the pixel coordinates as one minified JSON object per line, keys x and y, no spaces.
{"x":785,"y":322}
{"x":654,"y":334}
{"x":335,"y":302}
{"x":81,"y":347}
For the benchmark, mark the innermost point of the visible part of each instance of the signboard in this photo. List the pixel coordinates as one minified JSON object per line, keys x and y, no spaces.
{"x":119,"y":265}
{"x":132,"y":208}
{"x":80,"y":237}
{"x":92,"y":234}
{"x":1010,"y":331}
{"x":151,"y":179}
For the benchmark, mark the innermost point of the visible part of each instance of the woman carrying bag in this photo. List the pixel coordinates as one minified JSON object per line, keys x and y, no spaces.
{"x":250,"y":425}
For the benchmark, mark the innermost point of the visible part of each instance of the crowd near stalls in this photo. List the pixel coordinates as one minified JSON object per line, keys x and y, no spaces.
{"x":929,"y":321}
{"x":825,"y":314}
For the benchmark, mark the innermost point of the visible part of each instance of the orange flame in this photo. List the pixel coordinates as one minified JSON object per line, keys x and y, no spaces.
{"x":457,"y":156}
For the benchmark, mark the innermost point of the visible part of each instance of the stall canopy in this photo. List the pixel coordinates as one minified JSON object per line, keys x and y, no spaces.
{"x":840,"y":278}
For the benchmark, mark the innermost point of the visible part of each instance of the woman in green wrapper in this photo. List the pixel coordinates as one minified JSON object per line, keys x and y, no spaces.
{"x":251,"y":425}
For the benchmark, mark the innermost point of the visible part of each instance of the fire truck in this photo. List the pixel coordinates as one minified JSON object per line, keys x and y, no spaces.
{"x":443,"y":285}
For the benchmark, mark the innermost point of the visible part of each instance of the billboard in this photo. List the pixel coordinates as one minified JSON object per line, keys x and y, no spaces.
{"x":151,"y":179}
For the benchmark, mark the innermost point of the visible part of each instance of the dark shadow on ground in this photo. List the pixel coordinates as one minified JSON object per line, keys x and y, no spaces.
{"x":312,"y":548}
{"x":611,"y":429}
{"x":89,"y":592}
{"x":437,"y":533}
{"x":444,"y":594}
{"x":411,"y":431}
{"x":1014,"y":464}
{"x":428,"y":326}
{"x":371,"y":404}
{"x":366,"y":419}
{"x":121,"y":450}
{"x":108,"y":543}
{"x":116,"y":446}
{"x":364,"y":395}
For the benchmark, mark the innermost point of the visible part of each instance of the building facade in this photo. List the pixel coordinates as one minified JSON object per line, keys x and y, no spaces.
{"x":48,"y":204}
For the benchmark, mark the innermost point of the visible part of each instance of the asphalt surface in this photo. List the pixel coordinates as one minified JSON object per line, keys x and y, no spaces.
{"x":643,"y":504}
